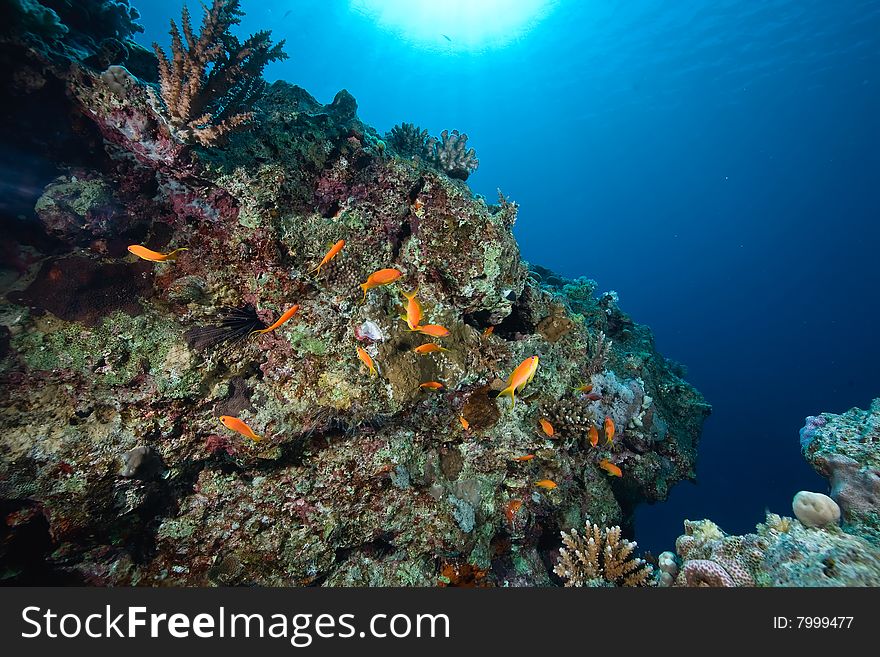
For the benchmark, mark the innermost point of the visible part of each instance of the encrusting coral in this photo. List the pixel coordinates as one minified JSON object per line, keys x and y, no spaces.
{"x":212,"y":79}
{"x":600,"y":558}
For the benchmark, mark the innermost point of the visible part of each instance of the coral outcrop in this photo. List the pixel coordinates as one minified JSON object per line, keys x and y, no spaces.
{"x":812,"y":550}
{"x":114,"y":467}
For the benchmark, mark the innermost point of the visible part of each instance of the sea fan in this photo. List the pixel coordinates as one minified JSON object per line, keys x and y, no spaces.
{"x":234,"y":325}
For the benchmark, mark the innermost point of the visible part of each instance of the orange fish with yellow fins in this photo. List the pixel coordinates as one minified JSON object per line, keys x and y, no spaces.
{"x":429,"y":348}
{"x":290,"y":312}
{"x":367,"y":360}
{"x":522,"y":376}
{"x":610,"y":468}
{"x":594,"y":435}
{"x":144,"y":253}
{"x":380,"y":278}
{"x":609,"y":430}
{"x":414,"y":314}
{"x":332,"y":253}
{"x":464,"y":423}
{"x":431,"y":385}
{"x":434,"y":330}
{"x":546,"y":427}
{"x":546,"y":484}
{"x":238,"y":426}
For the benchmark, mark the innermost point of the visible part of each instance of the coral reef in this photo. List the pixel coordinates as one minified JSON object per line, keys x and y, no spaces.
{"x":600,"y":558}
{"x":810,"y":550}
{"x":114,"y":372}
{"x":845,"y":448}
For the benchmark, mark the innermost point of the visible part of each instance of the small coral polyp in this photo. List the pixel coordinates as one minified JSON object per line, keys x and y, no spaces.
{"x":361,"y":475}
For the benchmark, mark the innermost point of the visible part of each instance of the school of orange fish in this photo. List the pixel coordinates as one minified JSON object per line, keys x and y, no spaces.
{"x":413,"y":316}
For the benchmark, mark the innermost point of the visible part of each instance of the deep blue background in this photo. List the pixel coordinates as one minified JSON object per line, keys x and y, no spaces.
{"x":716,"y":163}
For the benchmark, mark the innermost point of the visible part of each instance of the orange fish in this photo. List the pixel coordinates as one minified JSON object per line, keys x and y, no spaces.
{"x":522,"y":375}
{"x":464,"y":423}
{"x":287,"y":315}
{"x":610,"y":468}
{"x":587,"y":387}
{"x":547,"y":484}
{"x":366,"y":360}
{"x":525,"y":457}
{"x":429,"y":348}
{"x":434,"y":330}
{"x":547,"y":427}
{"x":332,"y":253}
{"x":154,"y":256}
{"x":609,"y":429}
{"x":511,"y":508}
{"x":489,"y":331}
{"x":379,"y":278}
{"x":240,"y":427}
{"x":413,"y":315}
{"x":417,"y":205}
{"x":431,"y":385}
{"x":594,"y":435}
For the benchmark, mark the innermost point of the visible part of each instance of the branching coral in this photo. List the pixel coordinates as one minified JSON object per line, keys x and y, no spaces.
{"x":211,"y":80}
{"x":600,"y":558}
{"x":451,"y":154}
{"x":408,"y":140}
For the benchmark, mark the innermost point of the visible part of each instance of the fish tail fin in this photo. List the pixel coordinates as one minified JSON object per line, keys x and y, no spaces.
{"x":364,"y":287}
{"x":176,"y":252}
{"x":509,"y":391}
{"x":412,"y":294}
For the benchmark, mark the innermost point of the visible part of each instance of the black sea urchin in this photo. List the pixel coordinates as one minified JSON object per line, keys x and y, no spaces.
{"x":234,"y":325}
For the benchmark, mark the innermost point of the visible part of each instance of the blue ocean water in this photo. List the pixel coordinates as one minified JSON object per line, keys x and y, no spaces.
{"x":716,"y":162}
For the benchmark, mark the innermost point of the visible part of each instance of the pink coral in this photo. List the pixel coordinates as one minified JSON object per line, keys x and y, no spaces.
{"x":704,"y":572}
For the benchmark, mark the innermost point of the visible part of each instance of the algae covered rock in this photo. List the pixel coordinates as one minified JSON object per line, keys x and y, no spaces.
{"x":113,"y":453}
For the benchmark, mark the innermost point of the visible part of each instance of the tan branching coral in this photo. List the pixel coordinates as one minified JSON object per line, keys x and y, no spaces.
{"x":211,"y":79}
{"x":601,"y":558}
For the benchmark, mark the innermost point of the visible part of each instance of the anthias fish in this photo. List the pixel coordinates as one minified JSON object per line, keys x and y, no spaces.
{"x":464,"y":423}
{"x":610,"y":468}
{"x":413,"y":316}
{"x":434,"y":330}
{"x":522,"y":376}
{"x":429,"y":348}
{"x":367,"y":360}
{"x":547,"y":484}
{"x":431,"y":385}
{"x":154,"y":256}
{"x":609,"y":429}
{"x":524,"y":457}
{"x":290,"y":312}
{"x":546,"y":427}
{"x":380,"y":278}
{"x":332,"y":253}
{"x":587,"y":387}
{"x":594,"y":435}
{"x":239,"y":426}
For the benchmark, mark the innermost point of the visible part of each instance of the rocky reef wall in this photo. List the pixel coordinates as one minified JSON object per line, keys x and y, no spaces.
{"x":114,"y":468}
